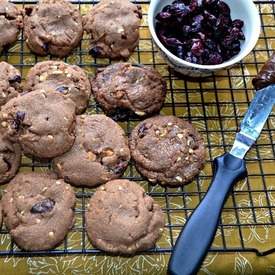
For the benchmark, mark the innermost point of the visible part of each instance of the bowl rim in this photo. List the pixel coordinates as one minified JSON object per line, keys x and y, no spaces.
{"x":252,"y":43}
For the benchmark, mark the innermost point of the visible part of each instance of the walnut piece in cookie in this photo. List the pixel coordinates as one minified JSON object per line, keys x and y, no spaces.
{"x":10,"y":79}
{"x":100,"y":152}
{"x":167,"y":150}
{"x":11,"y":22}
{"x":69,"y":80}
{"x":127,"y":88}
{"x":114,"y":28}
{"x":53,"y":27}
{"x":10,"y":158}
{"x":42,"y":122}
{"x":38,"y":210}
{"x":122,"y":219}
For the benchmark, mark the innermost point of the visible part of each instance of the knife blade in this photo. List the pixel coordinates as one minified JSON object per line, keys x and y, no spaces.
{"x":199,"y":231}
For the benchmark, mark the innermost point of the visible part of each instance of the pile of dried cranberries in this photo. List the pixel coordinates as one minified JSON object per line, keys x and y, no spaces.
{"x":200,"y":31}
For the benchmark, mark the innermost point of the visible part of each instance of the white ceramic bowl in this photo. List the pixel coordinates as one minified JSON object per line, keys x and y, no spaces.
{"x":240,"y":9}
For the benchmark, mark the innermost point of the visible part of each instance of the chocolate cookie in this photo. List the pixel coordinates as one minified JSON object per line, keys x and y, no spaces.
{"x":53,"y":27}
{"x":10,"y":79}
{"x":10,"y":159}
{"x":1,"y":216}
{"x":121,"y":218}
{"x":42,"y":121}
{"x":121,"y":88}
{"x":266,"y":76}
{"x":114,"y":28}
{"x":100,"y":152}
{"x":167,"y":149}
{"x":70,"y":80}
{"x":11,"y":21}
{"x":38,"y":210}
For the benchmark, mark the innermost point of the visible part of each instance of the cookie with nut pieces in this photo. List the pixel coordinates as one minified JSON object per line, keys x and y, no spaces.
{"x":167,"y":150}
{"x":42,"y":122}
{"x":100,"y":152}
{"x":123,"y":89}
{"x":38,"y":210}
{"x":114,"y":28}
{"x":10,"y":79}
{"x":122,"y":219}
{"x":11,"y":22}
{"x":53,"y":27}
{"x":10,"y":158}
{"x":69,"y":80}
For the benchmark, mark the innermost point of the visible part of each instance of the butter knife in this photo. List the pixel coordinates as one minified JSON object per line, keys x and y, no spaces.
{"x":198,"y":233}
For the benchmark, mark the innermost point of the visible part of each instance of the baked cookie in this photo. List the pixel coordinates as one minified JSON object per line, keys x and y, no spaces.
{"x":10,"y":79}
{"x":38,"y":210}
{"x":123,"y":88}
{"x":10,"y":159}
{"x":1,"y":216}
{"x":70,"y":80}
{"x":11,"y":21}
{"x":121,"y":218}
{"x":114,"y":28}
{"x":100,"y":152}
{"x":167,"y":149}
{"x":266,"y":76}
{"x":53,"y":27}
{"x":42,"y":121}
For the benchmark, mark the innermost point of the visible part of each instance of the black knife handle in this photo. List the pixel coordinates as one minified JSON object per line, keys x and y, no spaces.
{"x":198,"y":233}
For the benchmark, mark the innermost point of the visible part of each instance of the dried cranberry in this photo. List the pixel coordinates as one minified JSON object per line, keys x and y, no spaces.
{"x":28,"y":11}
{"x":62,"y":89}
{"x":15,"y":79}
{"x":237,"y":23}
{"x":96,"y":51}
{"x":162,"y":16}
{"x":44,"y":206}
{"x":197,"y":47}
{"x":18,"y":120}
{"x":142,"y":130}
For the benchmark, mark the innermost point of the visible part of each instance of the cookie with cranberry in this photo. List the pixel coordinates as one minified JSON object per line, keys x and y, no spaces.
{"x":124,"y":89}
{"x":122,"y":219}
{"x":10,"y":79}
{"x":38,"y":210}
{"x":10,"y":159}
{"x":69,"y":80}
{"x":42,"y":122}
{"x":113,"y":26}
{"x":100,"y":152}
{"x":53,"y":27}
{"x":11,"y":22}
{"x":167,"y":149}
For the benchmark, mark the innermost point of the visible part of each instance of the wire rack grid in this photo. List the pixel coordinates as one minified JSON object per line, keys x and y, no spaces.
{"x":216,"y":106}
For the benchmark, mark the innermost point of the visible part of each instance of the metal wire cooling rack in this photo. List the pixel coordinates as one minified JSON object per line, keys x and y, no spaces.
{"x":216,"y":106}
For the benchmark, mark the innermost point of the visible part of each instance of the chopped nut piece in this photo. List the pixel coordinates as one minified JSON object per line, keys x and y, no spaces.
{"x":180,"y":136}
{"x":157,"y":132}
{"x":179,"y":159}
{"x":139,"y":113}
{"x":58,"y":182}
{"x":4,"y":115}
{"x":44,"y":189}
{"x":91,"y":156}
{"x":21,"y":197}
{"x":59,"y":166}
{"x":108,"y":152}
{"x":4,"y":95}
{"x":4,"y":124}
{"x":38,"y":220}
{"x":170,"y":124}
{"x":50,"y":137}
{"x":178,"y":178}
{"x":191,"y":151}
{"x":11,"y":200}
{"x":102,"y":188}
{"x":120,"y":188}
{"x":51,"y":233}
